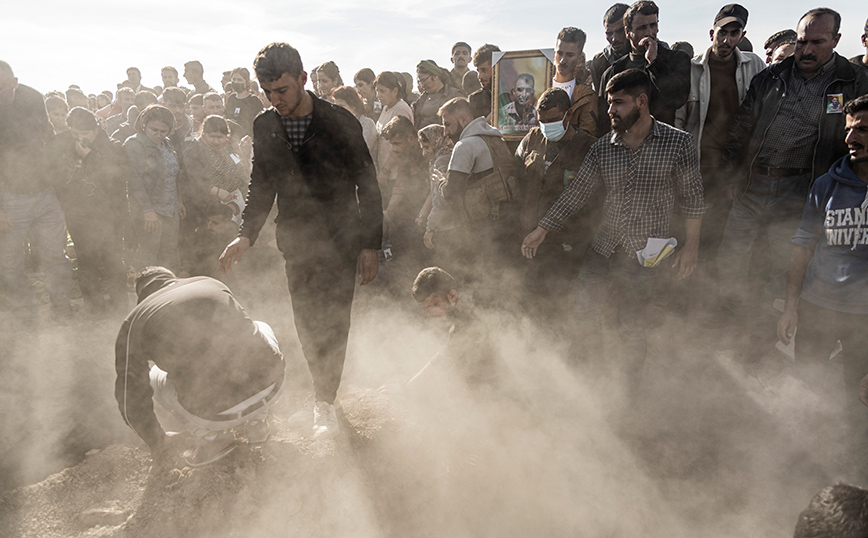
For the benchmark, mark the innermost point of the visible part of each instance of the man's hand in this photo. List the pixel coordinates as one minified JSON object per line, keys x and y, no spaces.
{"x":233,"y":253}
{"x":428,"y":239}
{"x":368,"y":266}
{"x":5,"y":225}
{"x":787,"y":324}
{"x":152,"y":222}
{"x":687,"y":259}
{"x":650,"y":45}
{"x":81,"y":150}
{"x":533,"y":241}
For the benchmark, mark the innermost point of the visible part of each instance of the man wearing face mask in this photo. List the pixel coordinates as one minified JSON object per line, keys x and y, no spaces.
{"x":551,"y":155}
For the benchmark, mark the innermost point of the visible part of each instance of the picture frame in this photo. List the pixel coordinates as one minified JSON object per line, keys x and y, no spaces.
{"x":518,"y":80}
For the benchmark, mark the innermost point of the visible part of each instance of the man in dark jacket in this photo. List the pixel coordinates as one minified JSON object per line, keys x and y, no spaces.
{"x":215,"y":369}
{"x":827,"y":282}
{"x":28,"y":205}
{"x":669,"y":69}
{"x":786,"y":133}
{"x":312,"y":156}
{"x":613,"y":26}
{"x":551,"y":156}
{"x":89,"y":173}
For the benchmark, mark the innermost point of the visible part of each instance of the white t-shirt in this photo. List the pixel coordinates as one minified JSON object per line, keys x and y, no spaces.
{"x":566,"y":86}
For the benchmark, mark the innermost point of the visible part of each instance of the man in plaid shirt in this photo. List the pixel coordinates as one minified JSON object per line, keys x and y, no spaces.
{"x":646,"y":168}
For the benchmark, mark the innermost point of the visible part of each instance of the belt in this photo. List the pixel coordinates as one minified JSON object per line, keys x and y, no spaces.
{"x":773,"y":172}
{"x":253,"y":407}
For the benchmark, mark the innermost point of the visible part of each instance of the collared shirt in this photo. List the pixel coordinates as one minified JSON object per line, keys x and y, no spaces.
{"x":641,"y":188}
{"x":790,"y":139}
{"x":296,"y":128}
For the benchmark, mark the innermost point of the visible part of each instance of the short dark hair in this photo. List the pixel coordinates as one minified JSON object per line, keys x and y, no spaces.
{"x":854,"y":106}
{"x":840,"y":511}
{"x":461,"y":44}
{"x":145,"y":98}
{"x":525,"y":76}
{"x":276,"y":59}
{"x":777,"y":38}
{"x":365,"y":74}
{"x":170,"y":69}
{"x":197,"y":99}
{"x":554,"y":98}
{"x":642,"y":7}
{"x":212,"y":96}
{"x":571,"y":34}
{"x":56,"y":102}
{"x":683,"y":46}
{"x":821,"y":11}
{"x":432,"y":280}
{"x":350,"y":96}
{"x":615,"y":13}
{"x":399,"y":127}
{"x":136,"y":69}
{"x":194,"y":65}
{"x":174,"y":95}
{"x":483,"y":54}
{"x":456,"y":106}
{"x":146,"y":275}
{"x":81,"y":119}
{"x":125,"y":89}
{"x":633,"y":81}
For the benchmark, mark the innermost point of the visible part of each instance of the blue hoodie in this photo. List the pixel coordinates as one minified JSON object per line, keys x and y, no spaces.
{"x":835,"y":225}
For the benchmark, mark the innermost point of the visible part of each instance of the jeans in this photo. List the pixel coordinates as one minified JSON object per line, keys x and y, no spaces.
{"x":159,"y":247}
{"x":38,"y":216}
{"x":166,"y":395}
{"x":619,"y":278}
{"x":772,"y":207}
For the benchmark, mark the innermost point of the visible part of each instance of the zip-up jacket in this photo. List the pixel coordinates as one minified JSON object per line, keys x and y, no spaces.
{"x":761,"y":105}
{"x":327,"y":191}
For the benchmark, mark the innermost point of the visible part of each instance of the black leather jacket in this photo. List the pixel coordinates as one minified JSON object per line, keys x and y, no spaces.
{"x":761,"y":104}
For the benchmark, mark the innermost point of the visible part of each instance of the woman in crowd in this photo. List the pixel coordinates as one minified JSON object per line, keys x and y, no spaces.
{"x":364,"y":82}
{"x":57,"y":110}
{"x":391,"y":93}
{"x":349,"y":99}
{"x":434,"y":83}
{"x":214,"y":172}
{"x":242,"y":106}
{"x":328,"y":77}
{"x":155,"y":203}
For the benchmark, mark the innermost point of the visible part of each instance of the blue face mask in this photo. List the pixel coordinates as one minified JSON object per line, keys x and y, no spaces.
{"x":553,"y":131}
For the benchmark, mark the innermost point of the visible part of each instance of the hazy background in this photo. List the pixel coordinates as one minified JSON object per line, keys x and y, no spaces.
{"x":52,"y":44}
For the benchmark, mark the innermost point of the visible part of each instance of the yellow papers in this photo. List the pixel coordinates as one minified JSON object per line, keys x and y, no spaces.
{"x":656,"y":250}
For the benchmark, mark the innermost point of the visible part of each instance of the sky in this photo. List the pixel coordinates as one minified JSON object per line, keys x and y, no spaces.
{"x":52,"y":44}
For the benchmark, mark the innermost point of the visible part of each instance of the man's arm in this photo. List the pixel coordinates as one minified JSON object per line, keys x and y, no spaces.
{"x":688,"y":189}
{"x":741,"y":130}
{"x":688,"y":256}
{"x":799,"y":260}
{"x":133,"y":389}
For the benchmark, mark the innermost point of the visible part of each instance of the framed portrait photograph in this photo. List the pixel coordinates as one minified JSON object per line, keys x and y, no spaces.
{"x":519,"y":79}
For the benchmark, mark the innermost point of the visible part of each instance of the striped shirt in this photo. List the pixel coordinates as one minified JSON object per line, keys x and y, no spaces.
{"x":642,"y":188}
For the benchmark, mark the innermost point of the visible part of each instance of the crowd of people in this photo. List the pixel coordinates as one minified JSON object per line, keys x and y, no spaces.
{"x":750,"y":169}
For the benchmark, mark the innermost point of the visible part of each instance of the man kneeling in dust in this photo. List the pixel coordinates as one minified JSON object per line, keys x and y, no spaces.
{"x":214,"y":369}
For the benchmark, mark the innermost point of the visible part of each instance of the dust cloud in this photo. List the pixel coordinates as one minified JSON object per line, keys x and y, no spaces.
{"x":705,"y":448}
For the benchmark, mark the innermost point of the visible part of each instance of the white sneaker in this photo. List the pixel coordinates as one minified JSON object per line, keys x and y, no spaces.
{"x":325,"y":421}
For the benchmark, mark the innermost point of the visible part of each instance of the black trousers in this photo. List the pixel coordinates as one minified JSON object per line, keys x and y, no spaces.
{"x":321,"y":287}
{"x":98,"y":249}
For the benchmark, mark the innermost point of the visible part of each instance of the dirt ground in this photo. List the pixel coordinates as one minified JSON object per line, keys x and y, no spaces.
{"x":707,"y":449}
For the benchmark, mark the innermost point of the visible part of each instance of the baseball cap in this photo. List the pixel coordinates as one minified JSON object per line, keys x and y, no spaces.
{"x":731,"y":13}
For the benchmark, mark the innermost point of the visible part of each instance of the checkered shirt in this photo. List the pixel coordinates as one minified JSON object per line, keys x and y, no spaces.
{"x":790,"y":139}
{"x":296,"y":128}
{"x":641,"y":188}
